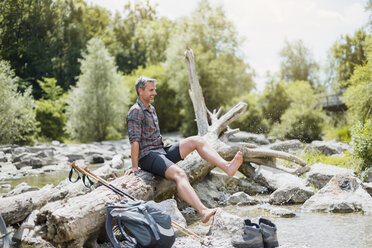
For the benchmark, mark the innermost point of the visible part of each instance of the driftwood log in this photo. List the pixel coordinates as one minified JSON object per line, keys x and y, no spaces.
{"x":78,"y":220}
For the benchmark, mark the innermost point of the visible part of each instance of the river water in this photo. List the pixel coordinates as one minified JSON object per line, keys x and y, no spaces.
{"x":303,"y":231}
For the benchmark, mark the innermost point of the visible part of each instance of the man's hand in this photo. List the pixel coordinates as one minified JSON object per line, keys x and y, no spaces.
{"x":130,"y":171}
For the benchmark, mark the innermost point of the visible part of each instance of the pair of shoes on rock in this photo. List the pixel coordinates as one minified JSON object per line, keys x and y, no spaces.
{"x":262,"y":235}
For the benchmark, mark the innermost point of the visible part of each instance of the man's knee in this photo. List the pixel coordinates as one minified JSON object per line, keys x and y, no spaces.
{"x":197,"y":140}
{"x":175,"y":173}
{"x":180,"y":174}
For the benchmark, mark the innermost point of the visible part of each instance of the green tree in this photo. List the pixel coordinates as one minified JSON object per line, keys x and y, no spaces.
{"x":274,"y":101}
{"x":77,"y":23}
{"x":358,"y":96}
{"x":17,"y":116}
{"x":129,"y":49}
{"x":347,"y":53}
{"x":26,"y":41}
{"x":96,"y":105}
{"x":362,"y":143}
{"x":302,"y":120}
{"x":253,"y":119}
{"x":222,"y":73}
{"x":50,"y":110}
{"x":297,"y":63}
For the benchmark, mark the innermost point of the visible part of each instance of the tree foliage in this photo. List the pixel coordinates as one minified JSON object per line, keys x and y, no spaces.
{"x":136,"y":33}
{"x":297,"y":63}
{"x":362,"y":143}
{"x":358,"y":96}
{"x":221,"y":71}
{"x":50,"y":110}
{"x":17,"y":117}
{"x":253,"y":118}
{"x":347,"y":53}
{"x":302,"y":120}
{"x":96,"y":105}
{"x":274,"y":101}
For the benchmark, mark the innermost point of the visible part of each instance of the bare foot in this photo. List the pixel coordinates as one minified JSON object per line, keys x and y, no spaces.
{"x":207,"y":214}
{"x":233,"y":165}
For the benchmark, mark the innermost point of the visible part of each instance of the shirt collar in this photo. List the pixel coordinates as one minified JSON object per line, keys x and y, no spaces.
{"x":142,"y":105}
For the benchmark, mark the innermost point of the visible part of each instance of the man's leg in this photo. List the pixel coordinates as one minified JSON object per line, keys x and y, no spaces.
{"x":187,"y":193}
{"x":209,"y":154}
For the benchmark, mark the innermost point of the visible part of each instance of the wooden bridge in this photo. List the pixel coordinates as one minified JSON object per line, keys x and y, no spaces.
{"x":333,"y":102}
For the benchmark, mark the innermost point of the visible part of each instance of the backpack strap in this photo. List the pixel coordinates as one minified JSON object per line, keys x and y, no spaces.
{"x":110,"y":233}
{"x":154,"y":228}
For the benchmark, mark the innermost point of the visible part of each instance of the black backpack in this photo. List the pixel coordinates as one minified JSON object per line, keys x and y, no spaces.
{"x":141,"y":225}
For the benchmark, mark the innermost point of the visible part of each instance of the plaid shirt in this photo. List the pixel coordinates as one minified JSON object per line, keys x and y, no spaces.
{"x":143,"y":126}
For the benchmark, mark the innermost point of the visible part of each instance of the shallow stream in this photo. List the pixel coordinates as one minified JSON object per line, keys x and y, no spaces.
{"x":305,"y":230}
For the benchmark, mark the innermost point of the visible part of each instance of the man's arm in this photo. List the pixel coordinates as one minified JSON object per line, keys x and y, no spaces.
{"x":134,"y":156}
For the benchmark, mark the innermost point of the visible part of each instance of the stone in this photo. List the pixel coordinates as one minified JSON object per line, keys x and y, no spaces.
{"x":225,"y":224}
{"x":327,"y":148}
{"x":209,"y":195}
{"x":55,"y":143}
{"x":320,"y":174}
{"x":45,"y":154}
{"x":19,"y":150}
{"x":342,"y":194}
{"x":368,"y":187}
{"x":291,"y":194}
{"x":259,"y":139}
{"x":73,"y":157}
{"x":5,"y":186}
{"x":22,"y":164}
{"x":241,"y":198}
{"x":21,"y":188}
{"x":273,"y":178}
{"x":117,"y":161}
{"x":170,"y":206}
{"x":36,"y":163}
{"x":95,"y":159}
{"x":366,"y":175}
{"x":234,"y":184}
{"x":290,"y":146}
{"x":282,"y":212}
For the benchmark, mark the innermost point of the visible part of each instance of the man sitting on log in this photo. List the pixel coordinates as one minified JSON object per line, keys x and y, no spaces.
{"x":148,"y":151}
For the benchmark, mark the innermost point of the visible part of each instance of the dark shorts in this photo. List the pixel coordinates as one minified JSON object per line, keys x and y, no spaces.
{"x":158,"y":163}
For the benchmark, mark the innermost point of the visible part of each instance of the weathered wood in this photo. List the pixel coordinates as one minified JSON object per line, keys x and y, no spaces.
{"x":15,"y":209}
{"x":71,"y":222}
{"x":196,"y":94}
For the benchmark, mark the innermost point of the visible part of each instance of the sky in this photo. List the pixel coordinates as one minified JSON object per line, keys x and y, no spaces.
{"x":265,"y":25}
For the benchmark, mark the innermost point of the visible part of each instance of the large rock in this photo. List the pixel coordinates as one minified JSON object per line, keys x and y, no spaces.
{"x":209,"y":195}
{"x":291,"y":146}
{"x":225,"y":224}
{"x":366,"y":175}
{"x":342,"y":194}
{"x":291,"y":194}
{"x":273,"y":178}
{"x":320,"y":174}
{"x":241,"y":198}
{"x":234,"y":184}
{"x":327,"y":147}
{"x":368,"y":187}
{"x":259,"y":139}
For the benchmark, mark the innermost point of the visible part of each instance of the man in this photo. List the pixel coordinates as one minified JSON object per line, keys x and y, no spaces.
{"x":148,"y":151}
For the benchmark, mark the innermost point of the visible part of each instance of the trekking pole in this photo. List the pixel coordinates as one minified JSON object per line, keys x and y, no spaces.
{"x":122,"y":193}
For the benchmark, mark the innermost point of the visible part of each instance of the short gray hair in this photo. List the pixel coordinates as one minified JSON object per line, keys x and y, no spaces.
{"x":141,"y":82}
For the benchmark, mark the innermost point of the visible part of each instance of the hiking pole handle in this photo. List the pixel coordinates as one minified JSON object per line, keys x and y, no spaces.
{"x":106,"y":182}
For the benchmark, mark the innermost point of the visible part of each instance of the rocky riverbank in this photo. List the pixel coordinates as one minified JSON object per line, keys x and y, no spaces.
{"x":325,"y":188}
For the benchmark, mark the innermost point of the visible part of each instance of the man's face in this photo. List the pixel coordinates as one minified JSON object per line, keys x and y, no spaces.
{"x":148,"y":94}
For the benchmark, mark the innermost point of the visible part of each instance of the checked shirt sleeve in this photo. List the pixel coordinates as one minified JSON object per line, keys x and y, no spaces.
{"x":134,"y":125}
